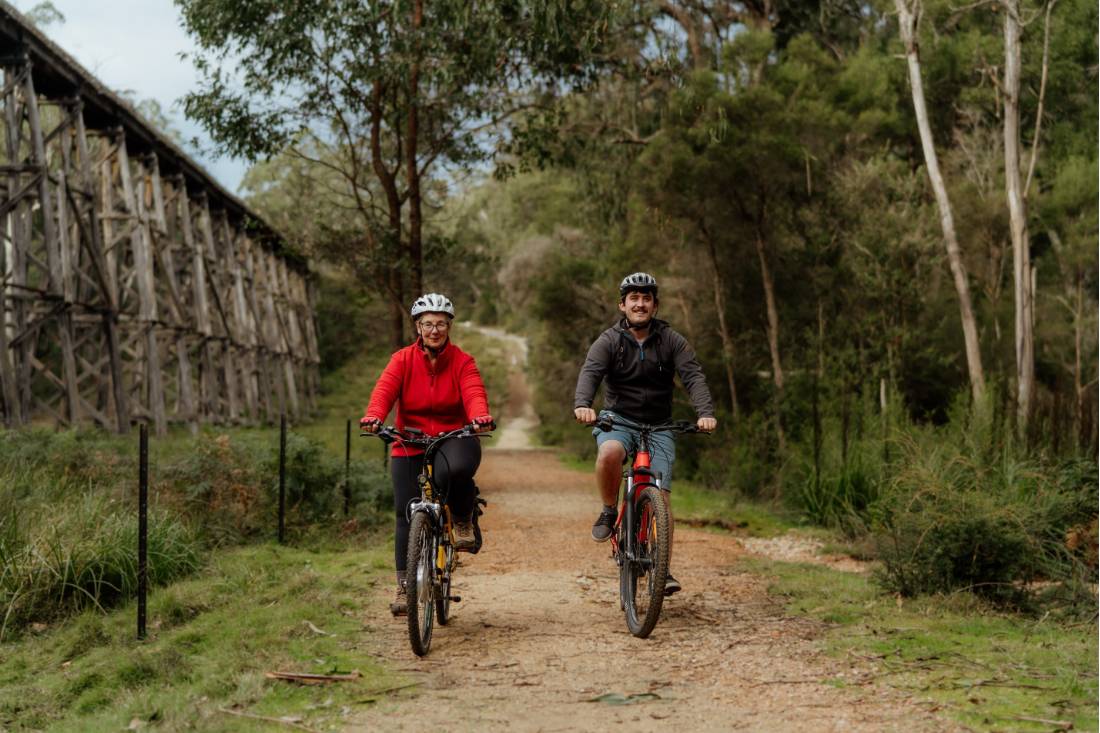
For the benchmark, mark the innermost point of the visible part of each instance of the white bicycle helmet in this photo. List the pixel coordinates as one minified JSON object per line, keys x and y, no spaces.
{"x":642,"y":281}
{"x":432,"y":303}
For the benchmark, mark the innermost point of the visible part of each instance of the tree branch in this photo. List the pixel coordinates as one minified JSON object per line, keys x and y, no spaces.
{"x":1042,"y":94}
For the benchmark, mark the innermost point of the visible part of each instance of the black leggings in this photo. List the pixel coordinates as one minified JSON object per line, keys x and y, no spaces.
{"x":454,"y":465}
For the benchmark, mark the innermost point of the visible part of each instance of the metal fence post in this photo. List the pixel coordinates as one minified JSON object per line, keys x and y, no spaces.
{"x":143,"y":527}
{"x":347,"y":470}
{"x":282,"y":478}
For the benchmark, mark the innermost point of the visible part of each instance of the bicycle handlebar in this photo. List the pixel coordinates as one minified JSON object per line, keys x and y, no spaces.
{"x":411,"y":436}
{"x":606,"y":424}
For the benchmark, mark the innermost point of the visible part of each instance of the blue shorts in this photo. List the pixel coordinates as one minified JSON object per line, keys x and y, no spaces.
{"x":662,"y":446}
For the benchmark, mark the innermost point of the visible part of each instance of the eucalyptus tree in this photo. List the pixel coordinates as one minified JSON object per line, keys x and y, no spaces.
{"x":382,"y":94}
{"x":909,"y":17}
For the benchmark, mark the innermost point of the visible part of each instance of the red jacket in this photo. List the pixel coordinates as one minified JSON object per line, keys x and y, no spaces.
{"x":433,"y":400}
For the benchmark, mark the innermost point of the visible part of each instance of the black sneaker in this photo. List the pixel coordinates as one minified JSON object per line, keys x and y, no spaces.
{"x":601,"y":530}
{"x":671,"y":585}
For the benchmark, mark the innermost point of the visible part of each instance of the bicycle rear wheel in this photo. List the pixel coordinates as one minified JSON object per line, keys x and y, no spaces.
{"x":642,"y":581}
{"x":420,"y":582}
{"x":443,"y":601}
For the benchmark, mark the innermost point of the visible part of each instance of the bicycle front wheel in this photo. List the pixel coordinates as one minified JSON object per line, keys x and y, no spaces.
{"x":420,"y":576}
{"x":642,"y":580}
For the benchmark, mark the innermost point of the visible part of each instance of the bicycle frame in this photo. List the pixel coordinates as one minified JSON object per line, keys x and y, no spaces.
{"x":639,"y":468}
{"x":433,"y":499}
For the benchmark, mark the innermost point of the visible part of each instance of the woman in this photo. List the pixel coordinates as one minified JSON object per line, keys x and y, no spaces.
{"x":438,"y":388}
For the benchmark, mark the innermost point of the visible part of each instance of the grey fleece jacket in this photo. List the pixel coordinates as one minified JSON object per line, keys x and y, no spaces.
{"x":640,"y":376}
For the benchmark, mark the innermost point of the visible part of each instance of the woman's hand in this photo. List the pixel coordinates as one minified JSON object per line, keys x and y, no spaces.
{"x":484,"y":423}
{"x":370,"y":424}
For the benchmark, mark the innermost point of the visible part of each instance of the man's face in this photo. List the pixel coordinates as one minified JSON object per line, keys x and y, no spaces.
{"x":639,"y":308}
{"x":433,"y":329}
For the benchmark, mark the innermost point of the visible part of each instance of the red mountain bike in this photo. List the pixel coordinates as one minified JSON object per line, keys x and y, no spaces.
{"x":641,"y":540}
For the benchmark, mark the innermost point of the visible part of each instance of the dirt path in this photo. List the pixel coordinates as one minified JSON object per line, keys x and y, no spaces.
{"x":539,"y":634}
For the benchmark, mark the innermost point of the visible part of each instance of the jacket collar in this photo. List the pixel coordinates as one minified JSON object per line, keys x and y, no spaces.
{"x":440,"y":358}
{"x":655,"y":326}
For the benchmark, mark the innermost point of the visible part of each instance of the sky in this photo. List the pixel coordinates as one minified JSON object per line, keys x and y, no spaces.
{"x":135,"y":45}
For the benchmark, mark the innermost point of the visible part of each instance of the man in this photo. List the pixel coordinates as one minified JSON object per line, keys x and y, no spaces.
{"x":638,"y":358}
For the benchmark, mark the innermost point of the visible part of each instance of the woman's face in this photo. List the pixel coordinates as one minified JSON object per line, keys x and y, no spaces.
{"x":433,"y":328}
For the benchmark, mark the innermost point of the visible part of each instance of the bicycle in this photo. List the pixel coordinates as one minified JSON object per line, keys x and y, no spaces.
{"x":641,"y":537}
{"x":431,"y":550}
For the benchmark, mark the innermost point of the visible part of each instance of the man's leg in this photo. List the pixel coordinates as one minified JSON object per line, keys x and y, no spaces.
{"x":609,"y":471}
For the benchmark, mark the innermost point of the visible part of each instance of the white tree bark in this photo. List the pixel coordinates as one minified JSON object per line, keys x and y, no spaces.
{"x":908,"y":19}
{"x":1017,"y":213}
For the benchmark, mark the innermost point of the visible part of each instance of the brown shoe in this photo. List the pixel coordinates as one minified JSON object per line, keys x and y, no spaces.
{"x":400,"y":605}
{"x":464,"y":536}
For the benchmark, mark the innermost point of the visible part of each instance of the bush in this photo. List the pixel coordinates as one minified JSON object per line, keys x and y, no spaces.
{"x":219,"y":482}
{"x":953,"y":520}
{"x":315,"y":483}
{"x":68,"y":529}
{"x":83,"y":554}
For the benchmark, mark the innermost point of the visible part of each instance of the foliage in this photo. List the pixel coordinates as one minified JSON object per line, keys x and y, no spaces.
{"x":957,"y":515}
{"x":79,"y":555}
{"x":68,"y":523}
{"x":366,"y":101}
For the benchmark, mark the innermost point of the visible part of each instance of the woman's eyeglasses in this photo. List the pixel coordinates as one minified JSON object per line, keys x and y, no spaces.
{"x":441,"y":326}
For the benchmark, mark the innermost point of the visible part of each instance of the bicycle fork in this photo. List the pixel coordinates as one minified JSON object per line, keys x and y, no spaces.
{"x":628,"y":510}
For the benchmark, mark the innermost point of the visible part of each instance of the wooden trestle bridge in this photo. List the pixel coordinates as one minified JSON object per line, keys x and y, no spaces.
{"x":132,"y":286}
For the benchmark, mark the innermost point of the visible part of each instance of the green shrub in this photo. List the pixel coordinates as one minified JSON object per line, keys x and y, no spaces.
{"x":315,"y":482}
{"x":219,"y":481}
{"x":952,"y":520}
{"x":84,"y":554}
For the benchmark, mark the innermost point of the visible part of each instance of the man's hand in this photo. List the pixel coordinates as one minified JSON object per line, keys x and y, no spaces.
{"x":706,"y":424}
{"x":484,"y":423}
{"x":370,"y":424}
{"x":585,"y":415}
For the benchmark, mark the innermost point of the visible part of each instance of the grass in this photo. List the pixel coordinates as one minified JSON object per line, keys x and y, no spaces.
{"x":211,"y":638}
{"x":988,"y":670}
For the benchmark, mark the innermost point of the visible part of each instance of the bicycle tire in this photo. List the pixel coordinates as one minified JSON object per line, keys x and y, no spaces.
{"x":443,"y":602}
{"x":420,"y":582}
{"x":642,"y":601}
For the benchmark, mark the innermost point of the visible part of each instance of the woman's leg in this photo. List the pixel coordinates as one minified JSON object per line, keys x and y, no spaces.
{"x":403,"y":470}
{"x":455,"y":465}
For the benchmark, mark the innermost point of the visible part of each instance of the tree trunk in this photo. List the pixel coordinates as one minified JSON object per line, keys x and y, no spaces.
{"x":773,"y":336}
{"x":412,"y":171}
{"x":908,"y":19}
{"x":819,"y":373}
{"x":723,"y":330}
{"x":1021,"y":258}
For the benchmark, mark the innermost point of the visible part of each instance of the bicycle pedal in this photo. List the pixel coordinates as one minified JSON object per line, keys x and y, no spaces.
{"x":454,"y":599}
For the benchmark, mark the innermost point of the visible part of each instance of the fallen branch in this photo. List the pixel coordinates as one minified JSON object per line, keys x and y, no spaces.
{"x":265,"y":718}
{"x":1062,"y":724}
{"x":312,"y":679}
{"x":373,"y":696}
